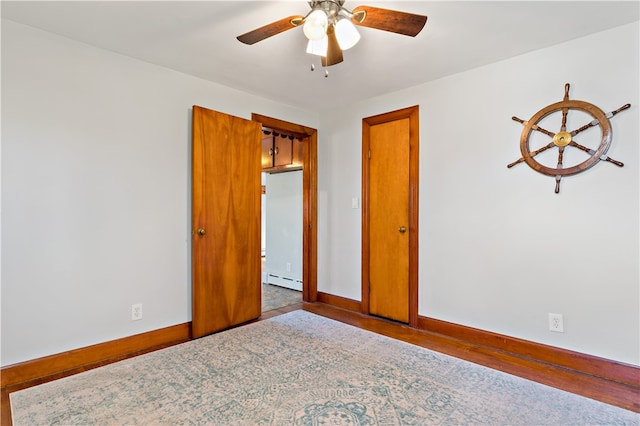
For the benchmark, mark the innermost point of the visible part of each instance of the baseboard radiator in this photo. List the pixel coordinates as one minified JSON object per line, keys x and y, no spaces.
{"x":283,"y":281}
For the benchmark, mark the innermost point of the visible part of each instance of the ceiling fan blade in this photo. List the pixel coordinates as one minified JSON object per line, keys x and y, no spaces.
{"x":271,"y":29}
{"x":389,"y":20}
{"x":334,"y":53}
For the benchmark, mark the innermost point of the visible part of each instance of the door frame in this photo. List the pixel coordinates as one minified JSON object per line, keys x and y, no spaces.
{"x":309,"y":200}
{"x":412,"y":113}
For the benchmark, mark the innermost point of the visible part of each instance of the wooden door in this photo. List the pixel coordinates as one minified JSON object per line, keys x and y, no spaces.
{"x":390,"y":216}
{"x":226,"y":282}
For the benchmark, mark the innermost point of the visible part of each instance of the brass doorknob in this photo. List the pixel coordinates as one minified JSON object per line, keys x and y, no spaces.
{"x":201,"y":232}
{"x":402,"y":229}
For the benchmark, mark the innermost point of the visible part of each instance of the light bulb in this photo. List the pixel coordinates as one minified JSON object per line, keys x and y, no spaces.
{"x":315,"y":25}
{"x":347,"y":34}
{"x":318,"y":47}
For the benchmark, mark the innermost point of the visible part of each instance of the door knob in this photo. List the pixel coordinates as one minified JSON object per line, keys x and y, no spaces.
{"x":201,"y":232}
{"x":402,"y":229}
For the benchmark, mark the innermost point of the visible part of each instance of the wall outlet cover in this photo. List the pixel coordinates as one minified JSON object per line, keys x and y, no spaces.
{"x":136,"y":312}
{"x":556,"y":323}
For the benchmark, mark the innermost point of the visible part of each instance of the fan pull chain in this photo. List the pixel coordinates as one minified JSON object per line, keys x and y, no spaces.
{"x":326,"y":71}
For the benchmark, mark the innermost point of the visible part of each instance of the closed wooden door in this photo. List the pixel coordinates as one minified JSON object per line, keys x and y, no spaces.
{"x":391,"y":220}
{"x":226,"y":281}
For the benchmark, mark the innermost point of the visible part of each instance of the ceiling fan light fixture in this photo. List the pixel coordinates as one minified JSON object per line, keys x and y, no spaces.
{"x":315,"y":25}
{"x":330,"y":27}
{"x":347,"y":34}
{"x":318,"y":47}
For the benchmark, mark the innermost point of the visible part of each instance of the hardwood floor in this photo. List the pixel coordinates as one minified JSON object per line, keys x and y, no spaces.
{"x":610,"y":392}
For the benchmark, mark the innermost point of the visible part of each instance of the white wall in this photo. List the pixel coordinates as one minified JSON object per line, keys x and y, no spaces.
{"x":499,"y":250}
{"x":95,"y":196}
{"x":283,"y":214}
{"x":96,"y":191}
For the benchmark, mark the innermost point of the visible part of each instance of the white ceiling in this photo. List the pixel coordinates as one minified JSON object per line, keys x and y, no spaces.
{"x":198,"y":38}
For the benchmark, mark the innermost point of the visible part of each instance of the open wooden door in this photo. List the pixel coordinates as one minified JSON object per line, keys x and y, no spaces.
{"x":226,"y":282}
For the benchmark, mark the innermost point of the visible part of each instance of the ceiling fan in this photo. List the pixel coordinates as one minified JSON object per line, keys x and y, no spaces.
{"x":329,"y":26}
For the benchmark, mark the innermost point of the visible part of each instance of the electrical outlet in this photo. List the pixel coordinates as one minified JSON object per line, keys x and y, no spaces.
{"x":136,"y":312}
{"x":556,"y":323}
{"x":288,"y":267}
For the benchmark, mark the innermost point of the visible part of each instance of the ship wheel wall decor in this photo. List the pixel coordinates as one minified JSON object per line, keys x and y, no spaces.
{"x":564,"y":138}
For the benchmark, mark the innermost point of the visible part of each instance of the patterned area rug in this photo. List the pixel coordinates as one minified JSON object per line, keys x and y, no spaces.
{"x":274,"y":297}
{"x":303,"y":369}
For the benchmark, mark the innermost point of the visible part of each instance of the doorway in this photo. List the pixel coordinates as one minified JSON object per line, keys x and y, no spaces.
{"x":281,"y":239}
{"x":309,"y":198}
{"x":390,"y":157}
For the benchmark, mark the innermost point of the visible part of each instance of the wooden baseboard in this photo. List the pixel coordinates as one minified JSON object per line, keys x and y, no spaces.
{"x":41,"y":370}
{"x":82,"y":359}
{"x":604,"y":368}
{"x":339,"y":302}
{"x":569,"y":379}
{"x":586,"y":364}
